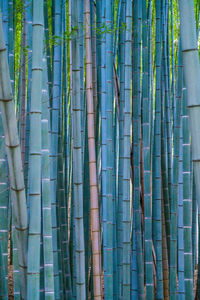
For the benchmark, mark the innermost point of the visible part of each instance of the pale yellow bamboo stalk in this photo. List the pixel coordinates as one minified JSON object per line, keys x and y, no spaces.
{"x":94,"y":203}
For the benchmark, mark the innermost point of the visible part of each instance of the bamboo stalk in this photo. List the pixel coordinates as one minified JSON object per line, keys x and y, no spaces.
{"x":126,"y":198}
{"x":77,"y":160}
{"x":94,"y":207}
{"x":34,"y":174}
{"x":192,"y":77}
{"x":14,"y":162}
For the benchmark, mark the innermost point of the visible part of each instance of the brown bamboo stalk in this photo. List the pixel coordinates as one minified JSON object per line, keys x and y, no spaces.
{"x":94,"y":203}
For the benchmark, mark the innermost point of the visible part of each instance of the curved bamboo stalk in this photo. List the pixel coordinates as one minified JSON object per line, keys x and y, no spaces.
{"x":14,"y":162}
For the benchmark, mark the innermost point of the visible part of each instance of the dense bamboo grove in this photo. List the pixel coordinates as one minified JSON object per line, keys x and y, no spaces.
{"x":99,"y":149}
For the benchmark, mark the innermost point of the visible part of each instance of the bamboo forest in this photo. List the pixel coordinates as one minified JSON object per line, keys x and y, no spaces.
{"x":99,"y":149}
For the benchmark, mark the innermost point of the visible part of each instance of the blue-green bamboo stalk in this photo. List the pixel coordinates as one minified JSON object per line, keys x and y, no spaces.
{"x":165,"y":18}
{"x":4,"y":184}
{"x":150,"y":77}
{"x":178,"y":174}
{"x":77,"y":159}
{"x":81,"y":63}
{"x":157,"y":217}
{"x":41,"y":263}
{"x":16,"y":273}
{"x":114,"y":186}
{"x":86,"y":211}
{"x":109,"y":205}
{"x":174,"y":190}
{"x":46,"y":193}
{"x":181,"y":287}
{"x":28,"y":12}
{"x":66,"y":177}
{"x":121,"y":144}
{"x":187,"y":203}
{"x":146,"y":157}
{"x":61,"y":210}
{"x":126,"y":220}
{"x":137,"y":14}
{"x":164,"y":168}
{"x":4,"y":206}
{"x":3,"y":283}
{"x":198,"y":275}
{"x":72,"y":242}
{"x":33,"y":274}
{"x":98,"y":65}
{"x":107,"y":280}
{"x":134,"y":277}
{"x":56,"y":94}
{"x":23,"y":88}
{"x":191,"y":76}
{"x":165,"y":256}
{"x":165,"y":192}
{"x":48,"y":46}
{"x":194,"y":227}
{"x":60,"y":188}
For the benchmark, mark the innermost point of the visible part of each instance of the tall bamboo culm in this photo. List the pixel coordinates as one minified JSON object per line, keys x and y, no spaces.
{"x":34,"y":174}
{"x":17,"y":187}
{"x":94,"y":205}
